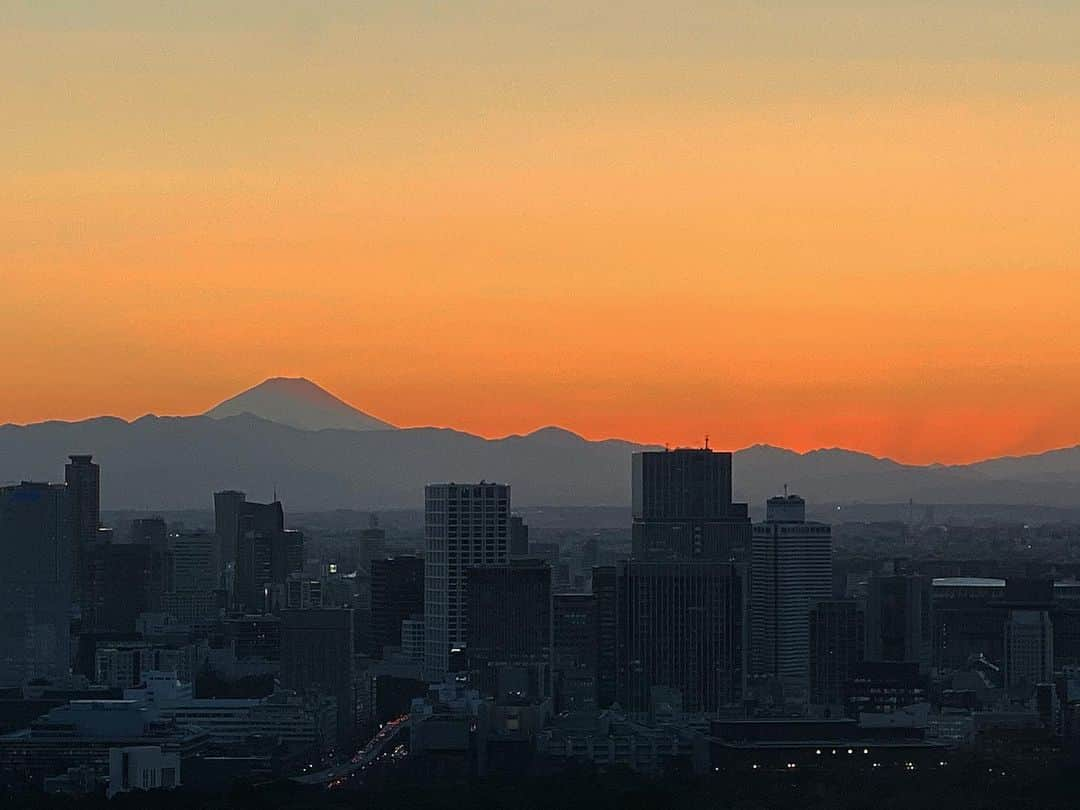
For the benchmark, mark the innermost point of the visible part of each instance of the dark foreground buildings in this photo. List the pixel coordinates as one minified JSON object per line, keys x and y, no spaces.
{"x":35,"y":582}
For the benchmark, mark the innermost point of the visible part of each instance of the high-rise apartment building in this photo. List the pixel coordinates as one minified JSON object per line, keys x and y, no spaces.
{"x":791,"y":572}
{"x":465,"y":525}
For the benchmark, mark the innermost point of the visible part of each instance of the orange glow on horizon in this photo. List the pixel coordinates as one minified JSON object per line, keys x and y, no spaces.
{"x":875,"y":253}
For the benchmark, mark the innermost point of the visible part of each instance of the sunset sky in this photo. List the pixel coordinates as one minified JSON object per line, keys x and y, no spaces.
{"x":847,"y":224}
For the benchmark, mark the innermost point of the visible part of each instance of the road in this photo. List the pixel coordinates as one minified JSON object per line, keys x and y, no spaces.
{"x":377,"y":747}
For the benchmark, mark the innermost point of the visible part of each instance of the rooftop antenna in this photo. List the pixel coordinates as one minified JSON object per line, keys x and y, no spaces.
{"x":275,"y":493}
{"x":785,"y":490}
{"x":706,"y":441}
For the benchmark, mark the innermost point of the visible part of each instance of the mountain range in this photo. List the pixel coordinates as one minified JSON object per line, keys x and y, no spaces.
{"x":318,"y":452}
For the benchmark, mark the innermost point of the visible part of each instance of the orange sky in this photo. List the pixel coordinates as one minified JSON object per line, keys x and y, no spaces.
{"x":860,"y":233}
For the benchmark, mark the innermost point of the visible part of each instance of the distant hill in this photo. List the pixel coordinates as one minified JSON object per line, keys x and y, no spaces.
{"x":177,"y":462}
{"x":321,"y":453}
{"x":299,"y":403}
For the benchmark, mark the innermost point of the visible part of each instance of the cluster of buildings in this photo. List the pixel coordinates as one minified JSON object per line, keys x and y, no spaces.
{"x":158,"y":657}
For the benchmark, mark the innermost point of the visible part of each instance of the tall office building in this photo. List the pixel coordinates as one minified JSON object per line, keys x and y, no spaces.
{"x":1029,"y":634}
{"x":227,"y":507}
{"x":465,"y":525}
{"x":397,"y":594}
{"x":193,"y":591}
{"x":119,"y":582}
{"x":83,"y":479}
{"x":680,"y":630}
{"x":899,"y":623}
{"x":266,"y":553}
{"x":682,"y":507}
{"x":35,"y":582}
{"x":317,"y":654}
{"x":575,"y":651}
{"x":836,"y":649}
{"x":509,"y":616}
{"x":791,"y":571}
{"x":606,"y":632}
{"x":519,"y":537}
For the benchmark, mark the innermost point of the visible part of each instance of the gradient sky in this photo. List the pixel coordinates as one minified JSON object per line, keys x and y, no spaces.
{"x":807,"y":224}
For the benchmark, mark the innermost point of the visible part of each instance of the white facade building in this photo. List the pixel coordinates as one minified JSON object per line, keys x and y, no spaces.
{"x":465,"y":525}
{"x":791,"y":572}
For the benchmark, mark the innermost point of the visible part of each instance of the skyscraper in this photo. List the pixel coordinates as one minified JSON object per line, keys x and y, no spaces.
{"x":266,"y":552}
{"x":836,"y":649}
{"x":465,"y":525}
{"x":899,"y":625}
{"x":119,"y":583}
{"x":509,"y":617}
{"x":227,"y":506}
{"x":682,"y":507}
{"x":1029,"y":634}
{"x":83,"y":478}
{"x":397,"y":593}
{"x":680,"y":628}
{"x":575,"y":651}
{"x":317,"y":653}
{"x":679,"y":600}
{"x":35,"y":582}
{"x":791,"y":571}
{"x":607,"y":629}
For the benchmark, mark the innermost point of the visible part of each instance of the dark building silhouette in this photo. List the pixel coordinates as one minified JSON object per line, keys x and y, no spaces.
{"x":682,"y":507}
{"x":575,"y":655}
{"x":397,"y":593}
{"x":836,"y":649}
{"x":227,"y":507}
{"x":152,"y":532}
{"x":120,"y":581}
{"x":680,"y":629}
{"x":1029,"y":634}
{"x":899,"y":621}
{"x":606,"y":618}
{"x":966,"y":622}
{"x":519,"y":537}
{"x":83,"y":479}
{"x":317,"y":654}
{"x":35,"y":581}
{"x":510,"y":628}
{"x":266,"y":553}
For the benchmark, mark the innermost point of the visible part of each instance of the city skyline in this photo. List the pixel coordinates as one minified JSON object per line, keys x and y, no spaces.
{"x":802,"y":225}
